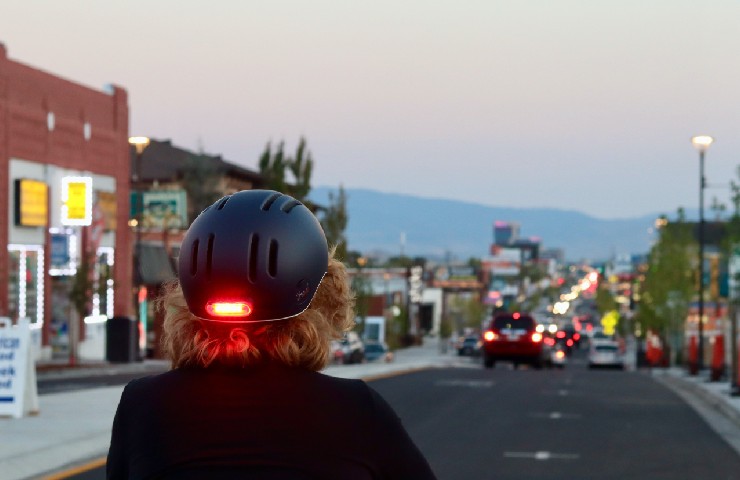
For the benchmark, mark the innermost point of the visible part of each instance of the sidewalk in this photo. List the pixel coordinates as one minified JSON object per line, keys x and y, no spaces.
{"x":74,"y":428}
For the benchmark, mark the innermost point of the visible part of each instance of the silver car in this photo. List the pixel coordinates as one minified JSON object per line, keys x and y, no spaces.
{"x":605,"y":353}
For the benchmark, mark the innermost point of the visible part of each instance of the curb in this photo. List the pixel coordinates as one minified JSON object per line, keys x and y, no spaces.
{"x":718,"y":402}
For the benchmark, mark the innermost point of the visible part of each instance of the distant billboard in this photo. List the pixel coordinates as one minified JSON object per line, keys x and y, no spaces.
{"x":506,"y":263}
{"x":165,"y":209}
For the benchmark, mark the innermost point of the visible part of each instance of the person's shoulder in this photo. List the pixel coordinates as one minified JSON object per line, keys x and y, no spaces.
{"x":149,"y":382}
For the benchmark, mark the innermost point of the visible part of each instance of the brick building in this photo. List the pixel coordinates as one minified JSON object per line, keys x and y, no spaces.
{"x":64,"y":186}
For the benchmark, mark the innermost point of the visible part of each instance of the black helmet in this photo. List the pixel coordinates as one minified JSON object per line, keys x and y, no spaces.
{"x":252,"y":256}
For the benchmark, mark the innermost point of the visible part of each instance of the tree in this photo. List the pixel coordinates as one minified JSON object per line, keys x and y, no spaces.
{"x":334,"y":222}
{"x":274,"y":167}
{"x":669,"y":282}
{"x":604,"y":299}
{"x":201,"y":179}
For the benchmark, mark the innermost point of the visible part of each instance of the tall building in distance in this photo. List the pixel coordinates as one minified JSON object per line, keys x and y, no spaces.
{"x":505,"y":233}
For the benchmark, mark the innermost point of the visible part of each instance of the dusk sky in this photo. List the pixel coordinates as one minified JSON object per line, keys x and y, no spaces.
{"x":586,"y":105}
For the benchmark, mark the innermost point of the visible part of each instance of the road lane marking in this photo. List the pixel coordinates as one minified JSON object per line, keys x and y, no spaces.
{"x":542,"y":455}
{"x":555,"y":415}
{"x":464,"y":383}
{"x":77,"y":470}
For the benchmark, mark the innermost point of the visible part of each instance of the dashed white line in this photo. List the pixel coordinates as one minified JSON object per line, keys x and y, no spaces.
{"x":542,"y":455}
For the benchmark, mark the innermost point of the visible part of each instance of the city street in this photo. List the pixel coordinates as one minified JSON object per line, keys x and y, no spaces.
{"x":573,"y":423}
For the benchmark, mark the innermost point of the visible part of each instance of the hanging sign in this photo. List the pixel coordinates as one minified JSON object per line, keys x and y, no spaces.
{"x":18,"y":392}
{"x":31,"y":203}
{"x":77,"y":201}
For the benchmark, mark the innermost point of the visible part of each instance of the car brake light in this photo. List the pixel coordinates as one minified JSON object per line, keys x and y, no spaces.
{"x":229,"y":309}
{"x":489,"y":336}
{"x":560,"y":334}
{"x":576,"y":336}
{"x":570,"y":342}
{"x":516,"y":316}
{"x":536,"y":337}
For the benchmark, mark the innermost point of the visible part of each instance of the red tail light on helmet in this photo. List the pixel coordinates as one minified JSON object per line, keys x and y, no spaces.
{"x":229,"y":308}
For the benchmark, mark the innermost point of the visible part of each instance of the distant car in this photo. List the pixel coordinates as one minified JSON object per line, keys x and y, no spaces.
{"x":513,"y":337}
{"x":558,"y":357}
{"x":470,"y":346}
{"x":353,"y":350}
{"x":605,"y":353}
{"x":377,"y":352}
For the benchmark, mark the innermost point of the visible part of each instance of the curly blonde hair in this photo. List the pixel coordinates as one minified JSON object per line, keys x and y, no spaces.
{"x":301,"y":341}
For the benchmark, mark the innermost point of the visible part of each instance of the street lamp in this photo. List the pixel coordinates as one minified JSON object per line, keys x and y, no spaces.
{"x":139,"y":143}
{"x":701,"y":143}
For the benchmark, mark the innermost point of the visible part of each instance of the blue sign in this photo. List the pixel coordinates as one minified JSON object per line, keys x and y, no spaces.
{"x":59,"y":250}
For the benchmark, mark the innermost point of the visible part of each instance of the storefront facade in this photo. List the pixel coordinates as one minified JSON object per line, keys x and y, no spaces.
{"x":64,"y":185}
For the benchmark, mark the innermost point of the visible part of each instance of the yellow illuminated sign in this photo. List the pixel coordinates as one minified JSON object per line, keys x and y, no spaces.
{"x":609,"y":321}
{"x":32,"y":198}
{"x":76,"y":201}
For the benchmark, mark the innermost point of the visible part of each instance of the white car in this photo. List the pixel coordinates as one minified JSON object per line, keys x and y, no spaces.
{"x":605,"y":353}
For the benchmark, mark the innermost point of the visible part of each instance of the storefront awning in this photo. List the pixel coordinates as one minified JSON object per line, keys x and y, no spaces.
{"x":155,"y":266}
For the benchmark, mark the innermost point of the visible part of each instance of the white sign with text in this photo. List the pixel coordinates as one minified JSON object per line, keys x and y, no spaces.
{"x":18,"y":392}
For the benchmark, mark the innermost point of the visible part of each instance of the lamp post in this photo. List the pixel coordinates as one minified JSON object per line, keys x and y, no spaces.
{"x":701,"y":143}
{"x":139,"y":143}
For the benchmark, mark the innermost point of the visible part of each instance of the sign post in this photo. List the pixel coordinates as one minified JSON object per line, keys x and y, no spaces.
{"x":18,"y":393}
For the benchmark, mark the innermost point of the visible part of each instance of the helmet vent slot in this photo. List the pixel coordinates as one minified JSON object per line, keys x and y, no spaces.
{"x":288,"y":206}
{"x":272,"y":258}
{"x":254,"y":244}
{"x":270,"y":200}
{"x":209,"y":253}
{"x":222,"y":203}
{"x":194,"y":258}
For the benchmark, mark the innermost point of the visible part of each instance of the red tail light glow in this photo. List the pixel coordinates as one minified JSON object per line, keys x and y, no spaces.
{"x":229,"y":309}
{"x":576,"y":336}
{"x":570,"y":342}
{"x":516,"y":316}
{"x":489,"y":336}
{"x":561,"y":334}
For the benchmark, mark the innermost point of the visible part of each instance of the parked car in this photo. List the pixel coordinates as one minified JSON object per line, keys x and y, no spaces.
{"x":353,"y":350}
{"x":605,"y":353}
{"x":513,"y":337}
{"x":470,"y":346}
{"x":377,"y":352}
{"x":336,"y":353}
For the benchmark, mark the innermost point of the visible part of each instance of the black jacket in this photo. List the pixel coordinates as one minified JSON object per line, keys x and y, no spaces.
{"x":268,"y":422}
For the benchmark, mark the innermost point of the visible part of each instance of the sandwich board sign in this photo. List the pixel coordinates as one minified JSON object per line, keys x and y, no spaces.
{"x":18,"y":392}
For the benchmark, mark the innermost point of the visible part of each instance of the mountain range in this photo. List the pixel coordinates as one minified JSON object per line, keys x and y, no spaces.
{"x":392,"y":223}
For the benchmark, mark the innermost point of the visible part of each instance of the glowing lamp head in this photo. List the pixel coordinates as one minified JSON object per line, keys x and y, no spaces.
{"x":233,"y":308}
{"x":702,"y":142}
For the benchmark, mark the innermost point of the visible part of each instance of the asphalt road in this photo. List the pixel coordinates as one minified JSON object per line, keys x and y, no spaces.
{"x":575,"y":423}
{"x":552,"y":424}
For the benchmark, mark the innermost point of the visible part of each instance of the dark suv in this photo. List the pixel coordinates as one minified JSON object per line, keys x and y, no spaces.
{"x":512,"y":337}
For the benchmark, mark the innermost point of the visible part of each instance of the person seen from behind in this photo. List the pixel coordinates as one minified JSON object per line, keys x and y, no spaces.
{"x":247,"y":327}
